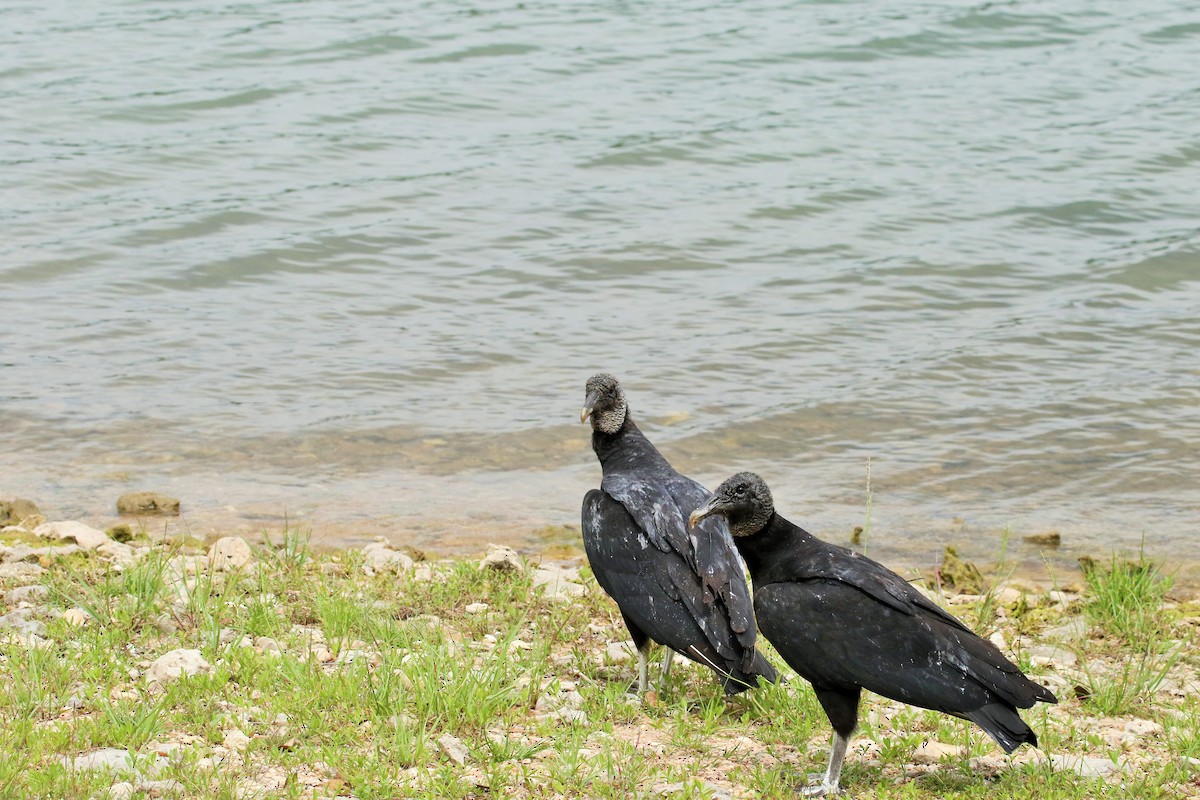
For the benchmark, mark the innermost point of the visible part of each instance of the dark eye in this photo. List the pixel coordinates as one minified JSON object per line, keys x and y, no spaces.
{"x":740,"y":491}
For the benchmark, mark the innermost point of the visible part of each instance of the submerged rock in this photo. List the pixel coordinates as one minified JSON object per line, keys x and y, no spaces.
{"x":147,"y":504}
{"x":1048,"y":539}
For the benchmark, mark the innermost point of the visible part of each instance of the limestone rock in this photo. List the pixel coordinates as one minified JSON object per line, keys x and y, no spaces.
{"x":147,"y":504}
{"x":109,"y":758}
{"x":1008,"y":596}
{"x":76,"y":617}
{"x":13,"y":511}
{"x":177,"y":664}
{"x":229,"y":554}
{"x":1048,"y":655}
{"x":85,"y":536}
{"x":1142,"y":728}
{"x":21,"y":570}
{"x":26,"y":594}
{"x":380,"y":556}
{"x":20,"y":621}
{"x":618,"y":652}
{"x":1070,"y":631}
{"x":453,"y":747}
{"x":934,"y":752}
{"x":1088,"y":766}
{"x":34,"y":555}
{"x":555,"y":583}
{"x":234,"y":739}
{"x":118,"y":553}
{"x":502,"y":559}
{"x":476,"y":608}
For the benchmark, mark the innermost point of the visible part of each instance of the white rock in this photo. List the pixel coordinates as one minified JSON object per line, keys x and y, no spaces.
{"x":177,"y":664}
{"x":476,"y":608}
{"x":1088,"y":766}
{"x":121,"y":791}
{"x":118,"y":552}
{"x":555,"y":585}
{"x":268,"y":645}
{"x":26,"y":593}
{"x":1070,"y":631}
{"x":934,"y":752}
{"x":997,"y":639}
{"x":1143,"y":727}
{"x":109,"y":758}
{"x":21,"y":570}
{"x":503,"y":559}
{"x":618,"y":652}
{"x":454,"y":748}
{"x":85,"y":536}
{"x":234,"y":739}
{"x":1045,"y":655}
{"x":76,"y":617}
{"x":380,"y":556}
{"x":1008,"y":596}
{"x":230,"y":553}
{"x":965,"y":599}
{"x":1061,"y":598}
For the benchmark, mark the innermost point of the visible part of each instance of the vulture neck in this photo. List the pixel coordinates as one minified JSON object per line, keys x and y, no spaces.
{"x":626,"y":449}
{"x":776,"y":543}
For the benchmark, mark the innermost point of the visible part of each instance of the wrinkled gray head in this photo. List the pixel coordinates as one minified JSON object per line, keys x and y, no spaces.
{"x":605,"y":404}
{"x":743,"y":500}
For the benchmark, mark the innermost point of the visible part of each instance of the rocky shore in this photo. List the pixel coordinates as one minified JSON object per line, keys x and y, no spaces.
{"x":172,"y":667}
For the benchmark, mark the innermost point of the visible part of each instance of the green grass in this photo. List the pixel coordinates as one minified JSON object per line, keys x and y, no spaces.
{"x":372,"y":671}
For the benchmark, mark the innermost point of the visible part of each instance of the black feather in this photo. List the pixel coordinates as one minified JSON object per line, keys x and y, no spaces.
{"x":685,"y":589}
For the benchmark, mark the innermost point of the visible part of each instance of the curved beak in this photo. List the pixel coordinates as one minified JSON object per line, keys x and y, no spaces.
{"x":589,"y":405}
{"x":707,"y":509}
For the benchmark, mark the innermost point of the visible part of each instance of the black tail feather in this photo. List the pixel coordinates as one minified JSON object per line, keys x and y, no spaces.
{"x":1003,"y":724}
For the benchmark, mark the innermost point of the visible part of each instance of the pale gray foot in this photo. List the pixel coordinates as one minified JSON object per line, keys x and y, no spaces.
{"x":668,"y":659}
{"x":643,"y":670}
{"x":828,"y":784}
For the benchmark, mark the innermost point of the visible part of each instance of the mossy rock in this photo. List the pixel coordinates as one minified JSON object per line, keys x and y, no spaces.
{"x":121,"y":533}
{"x":17,"y":509}
{"x":1048,"y":539}
{"x":18,"y":536}
{"x":147,"y":504}
{"x":960,"y":575}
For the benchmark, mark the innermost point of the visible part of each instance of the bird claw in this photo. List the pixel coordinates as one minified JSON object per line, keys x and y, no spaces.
{"x":817,"y":787}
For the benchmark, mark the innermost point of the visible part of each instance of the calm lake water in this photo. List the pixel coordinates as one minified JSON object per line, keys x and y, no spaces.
{"x":352,"y":262}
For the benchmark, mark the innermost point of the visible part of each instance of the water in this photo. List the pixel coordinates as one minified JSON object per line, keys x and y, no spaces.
{"x":352,"y":262}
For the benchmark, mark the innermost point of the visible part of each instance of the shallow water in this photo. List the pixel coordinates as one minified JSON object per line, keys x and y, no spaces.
{"x":353,"y":262}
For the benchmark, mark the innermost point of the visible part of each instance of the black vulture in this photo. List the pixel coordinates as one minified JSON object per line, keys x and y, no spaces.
{"x":847,"y":623}
{"x":684,"y":590}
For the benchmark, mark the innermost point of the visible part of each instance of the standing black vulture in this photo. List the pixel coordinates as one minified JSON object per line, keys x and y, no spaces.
{"x":685,"y":591}
{"x":847,"y":623}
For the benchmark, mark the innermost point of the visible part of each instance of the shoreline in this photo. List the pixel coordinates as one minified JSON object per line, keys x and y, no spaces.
{"x":181,"y":669}
{"x":340,"y":527}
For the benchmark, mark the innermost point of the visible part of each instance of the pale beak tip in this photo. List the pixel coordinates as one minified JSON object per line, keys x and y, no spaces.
{"x":584,"y":414}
